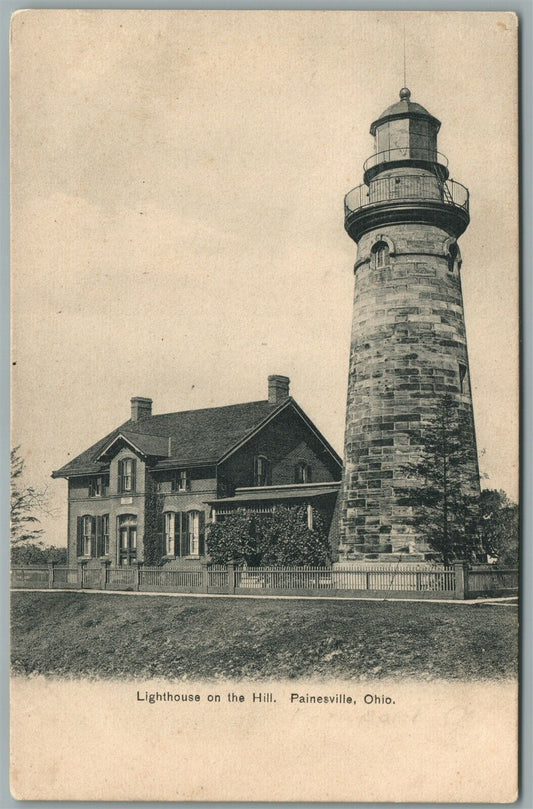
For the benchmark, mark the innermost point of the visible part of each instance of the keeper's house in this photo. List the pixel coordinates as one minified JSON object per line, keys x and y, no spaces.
{"x":146,"y":491}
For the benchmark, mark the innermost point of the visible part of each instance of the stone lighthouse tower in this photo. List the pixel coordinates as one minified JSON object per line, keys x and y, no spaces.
{"x":408,"y":344}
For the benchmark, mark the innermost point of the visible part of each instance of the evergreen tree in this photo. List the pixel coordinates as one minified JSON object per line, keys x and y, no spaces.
{"x":444,"y":493}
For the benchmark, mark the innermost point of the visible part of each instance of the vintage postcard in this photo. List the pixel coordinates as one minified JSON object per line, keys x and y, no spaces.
{"x":264,"y":471}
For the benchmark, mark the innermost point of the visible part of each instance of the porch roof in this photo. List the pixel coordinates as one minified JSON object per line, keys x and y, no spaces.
{"x":296,"y":491}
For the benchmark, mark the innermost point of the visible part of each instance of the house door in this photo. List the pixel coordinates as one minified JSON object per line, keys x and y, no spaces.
{"x":127,"y":546}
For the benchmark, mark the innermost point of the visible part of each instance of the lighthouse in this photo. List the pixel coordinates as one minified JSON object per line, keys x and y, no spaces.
{"x":408,"y":342}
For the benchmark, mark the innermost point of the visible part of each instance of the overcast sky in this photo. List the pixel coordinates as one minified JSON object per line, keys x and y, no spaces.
{"x":178,"y":183}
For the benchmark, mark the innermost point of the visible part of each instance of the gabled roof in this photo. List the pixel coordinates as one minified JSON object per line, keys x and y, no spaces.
{"x":143,"y":443}
{"x":197,"y":437}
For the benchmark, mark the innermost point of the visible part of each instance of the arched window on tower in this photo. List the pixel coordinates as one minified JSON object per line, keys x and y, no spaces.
{"x":380,"y":254}
{"x":463,"y":378}
{"x":454,"y":261}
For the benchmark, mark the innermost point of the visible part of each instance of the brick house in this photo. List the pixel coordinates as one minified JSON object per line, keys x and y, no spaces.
{"x":146,"y":491}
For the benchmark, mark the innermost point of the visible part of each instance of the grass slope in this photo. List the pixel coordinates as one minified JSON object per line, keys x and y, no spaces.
{"x":75,"y":634}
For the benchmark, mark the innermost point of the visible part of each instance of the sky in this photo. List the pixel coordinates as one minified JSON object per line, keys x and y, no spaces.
{"x":177,"y":212}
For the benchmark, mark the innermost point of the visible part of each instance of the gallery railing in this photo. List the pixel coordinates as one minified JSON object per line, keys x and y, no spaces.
{"x":407,"y":187}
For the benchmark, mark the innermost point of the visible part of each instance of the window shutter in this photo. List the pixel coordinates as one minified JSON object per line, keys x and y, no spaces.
{"x":161,"y":535}
{"x":93,"y":536}
{"x":184,"y":543}
{"x":80,"y":536}
{"x":187,"y":481}
{"x":201,"y":543}
{"x":256,"y":470}
{"x":91,"y":487}
{"x":99,"y":538}
{"x":177,"y":533}
{"x":133,"y":475}
{"x":119,"y":481}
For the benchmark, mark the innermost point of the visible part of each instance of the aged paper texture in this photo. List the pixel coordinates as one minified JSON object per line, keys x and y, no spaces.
{"x":177,"y":233}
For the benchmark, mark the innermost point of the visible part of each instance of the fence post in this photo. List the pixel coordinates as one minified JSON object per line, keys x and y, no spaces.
{"x":418,"y":577}
{"x":138,"y":567}
{"x":205,"y":578}
{"x":51,"y":574}
{"x":103,"y":573}
{"x":231,"y":577}
{"x":81,"y":569}
{"x":461,"y":580}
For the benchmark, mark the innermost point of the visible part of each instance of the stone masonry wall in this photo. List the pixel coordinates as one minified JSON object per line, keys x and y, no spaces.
{"x":408,"y":345}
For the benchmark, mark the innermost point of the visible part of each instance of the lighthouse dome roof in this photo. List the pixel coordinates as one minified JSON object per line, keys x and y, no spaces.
{"x":404,"y":108}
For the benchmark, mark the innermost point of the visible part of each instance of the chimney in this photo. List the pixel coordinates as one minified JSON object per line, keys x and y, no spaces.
{"x":278,"y":389}
{"x":141,"y":408}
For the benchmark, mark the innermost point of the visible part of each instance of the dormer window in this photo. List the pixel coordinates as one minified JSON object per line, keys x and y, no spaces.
{"x":302,"y":472}
{"x":126,"y":475}
{"x":181,"y":481}
{"x":261,"y":471}
{"x":380,"y":255}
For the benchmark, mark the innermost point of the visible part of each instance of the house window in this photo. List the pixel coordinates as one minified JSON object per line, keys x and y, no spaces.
{"x":98,"y":486}
{"x":302,"y":473}
{"x":183,"y":532}
{"x":126,"y":475}
{"x":87,"y":535}
{"x":380,"y":252}
{"x":262,"y":475}
{"x":193,"y":533}
{"x":170,"y":533}
{"x":181,"y":481}
{"x":105,"y":534}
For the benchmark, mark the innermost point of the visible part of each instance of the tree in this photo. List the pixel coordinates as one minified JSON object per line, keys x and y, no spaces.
{"x":444,"y":496}
{"x":26,"y":501}
{"x":32,"y":554}
{"x":280,"y":538}
{"x":499,"y":526}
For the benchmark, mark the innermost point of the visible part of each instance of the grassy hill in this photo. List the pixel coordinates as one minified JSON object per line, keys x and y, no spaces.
{"x":99,"y":635}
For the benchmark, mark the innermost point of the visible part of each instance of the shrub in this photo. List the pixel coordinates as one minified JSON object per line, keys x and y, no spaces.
{"x":279,"y":538}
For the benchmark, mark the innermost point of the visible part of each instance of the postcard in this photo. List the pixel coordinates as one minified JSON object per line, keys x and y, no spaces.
{"x":264,"y":469}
